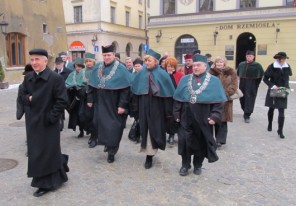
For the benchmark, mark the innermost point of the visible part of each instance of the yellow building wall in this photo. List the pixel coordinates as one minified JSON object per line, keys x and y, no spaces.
{"x":203,"y":33}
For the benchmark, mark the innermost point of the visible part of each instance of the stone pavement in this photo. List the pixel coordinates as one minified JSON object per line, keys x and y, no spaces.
{"x":256,"y":167}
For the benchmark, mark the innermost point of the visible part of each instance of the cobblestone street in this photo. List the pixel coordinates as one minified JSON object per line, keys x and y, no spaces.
{"x":256,"y":167}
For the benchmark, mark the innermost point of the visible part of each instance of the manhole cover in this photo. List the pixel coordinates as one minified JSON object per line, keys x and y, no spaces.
{"x":17,"y":124}
{"x":7,"y":164}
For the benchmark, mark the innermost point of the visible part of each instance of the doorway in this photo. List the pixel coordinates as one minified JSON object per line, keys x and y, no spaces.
{"x":184,"y":44}
{"x":245,"y":41}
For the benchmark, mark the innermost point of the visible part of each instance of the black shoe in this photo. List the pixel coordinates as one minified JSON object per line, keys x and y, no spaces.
{"x":281,"y":135}
{"x":197,"y":171}
{"x":92,"y":142}
{"x":269,"y":127}
{"x":148,"y":162}
{"x":40,"y":192}
{"x":183,"y":171}
{"x":110,"y":158}
{"x":81,"y":134}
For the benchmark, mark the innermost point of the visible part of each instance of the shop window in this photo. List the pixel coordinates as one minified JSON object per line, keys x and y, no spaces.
{"x":77,"y":14}
{"x":205,"y":5}
{"x":169,"y":6}
{"x":291,"y":2}
{"x":247,"y":4}
{"x":16,"y":49}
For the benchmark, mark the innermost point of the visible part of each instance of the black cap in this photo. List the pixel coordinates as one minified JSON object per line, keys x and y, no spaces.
{"x":249,"y":52}
{"x":41,"y":52}
{"x":58,"y":60}
{"x":281,"y":55}
{"x":107,"y":49}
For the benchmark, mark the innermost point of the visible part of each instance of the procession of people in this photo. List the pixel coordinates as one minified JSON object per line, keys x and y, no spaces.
{"x":190,"y":103}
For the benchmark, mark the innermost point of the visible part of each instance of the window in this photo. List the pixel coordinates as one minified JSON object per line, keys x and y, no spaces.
{"x":16,"y":49}
{"x":247,"y":4}
{"x":112,"y":14}
{"x":169,"y":6}
{"x":128,"y":50}
{"x":205,"y":5}
{"x":140,"y":1}
{"x":291,"y":3}
{"x":148,"y":3}
{"x":140,"y":21}
{"x":127,"y":18}
{"x":77,"y":14}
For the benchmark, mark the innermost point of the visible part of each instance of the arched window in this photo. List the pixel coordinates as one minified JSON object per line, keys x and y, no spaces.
{"x":128,"y":49}
{"x":16,"y":49}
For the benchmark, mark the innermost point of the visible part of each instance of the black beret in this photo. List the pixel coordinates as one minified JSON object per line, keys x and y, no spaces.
{"x":41,"y":52}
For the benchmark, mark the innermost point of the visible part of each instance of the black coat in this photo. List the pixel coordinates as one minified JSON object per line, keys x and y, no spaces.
{"x":65,"y":73}
{"x":195,"y":134}
{"x":108,"y":124}
{"x":279,"y":77}
{"x":49,"y":99}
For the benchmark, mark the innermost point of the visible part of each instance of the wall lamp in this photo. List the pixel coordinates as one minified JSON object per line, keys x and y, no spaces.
{"x":215,"y":36}
{"x":94,"y":39}
{"x":3,"y":25}
{"x":158,"y":35}
{"x":277,"y":30}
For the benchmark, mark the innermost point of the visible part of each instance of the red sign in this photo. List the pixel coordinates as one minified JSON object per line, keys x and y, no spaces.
{"x":76,"y":46}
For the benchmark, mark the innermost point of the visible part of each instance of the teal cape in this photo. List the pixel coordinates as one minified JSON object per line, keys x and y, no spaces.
{"x":161,"y":79}
{"x":213,"y":93}
{"x":76,"y":79}
{"x":119,"y":78}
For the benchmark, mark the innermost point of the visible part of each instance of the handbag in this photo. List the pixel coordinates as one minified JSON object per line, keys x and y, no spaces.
{"x":238,"y":94}
{"x":278,"y":93}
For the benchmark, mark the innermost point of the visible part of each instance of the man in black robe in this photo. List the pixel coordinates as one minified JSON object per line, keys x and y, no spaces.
{"x":250,"y":74}
{"x":198,"y":105}
{"x":45,"y":97}
{"x":153,"y":88}
{"x":108,"y":93}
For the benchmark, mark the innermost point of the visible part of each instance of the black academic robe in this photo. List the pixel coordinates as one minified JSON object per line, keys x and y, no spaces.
{"x":195,"y":134}
{"x":108,"y":124}
{"x":46,"y":164}
{"x":154,"y":112}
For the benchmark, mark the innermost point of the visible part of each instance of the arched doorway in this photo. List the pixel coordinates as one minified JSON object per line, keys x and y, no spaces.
{"x":115,"y":45}
{"x":184,"y":44}
{"x":245,"y":41}
{"x":128,"y":49}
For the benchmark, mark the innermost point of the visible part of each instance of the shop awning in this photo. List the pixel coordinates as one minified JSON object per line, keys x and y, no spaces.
{"x":76,"y":46}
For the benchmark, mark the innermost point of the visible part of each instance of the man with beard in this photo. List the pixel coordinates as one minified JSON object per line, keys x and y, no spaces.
{"x":45,"y":98}
{"x":108,"y":94}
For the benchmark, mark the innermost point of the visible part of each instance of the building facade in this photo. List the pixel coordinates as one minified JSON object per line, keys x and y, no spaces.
{"x":92,"y":24}
{"x":224,"y":27}
{"x":31,"y":24}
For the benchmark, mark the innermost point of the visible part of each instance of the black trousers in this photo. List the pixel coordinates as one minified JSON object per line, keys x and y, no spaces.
{"x":221,"y":131}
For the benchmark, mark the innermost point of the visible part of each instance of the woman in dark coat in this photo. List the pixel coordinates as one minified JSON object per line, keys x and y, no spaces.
{"x":277,"y":75}
{"x":229,"y":81}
